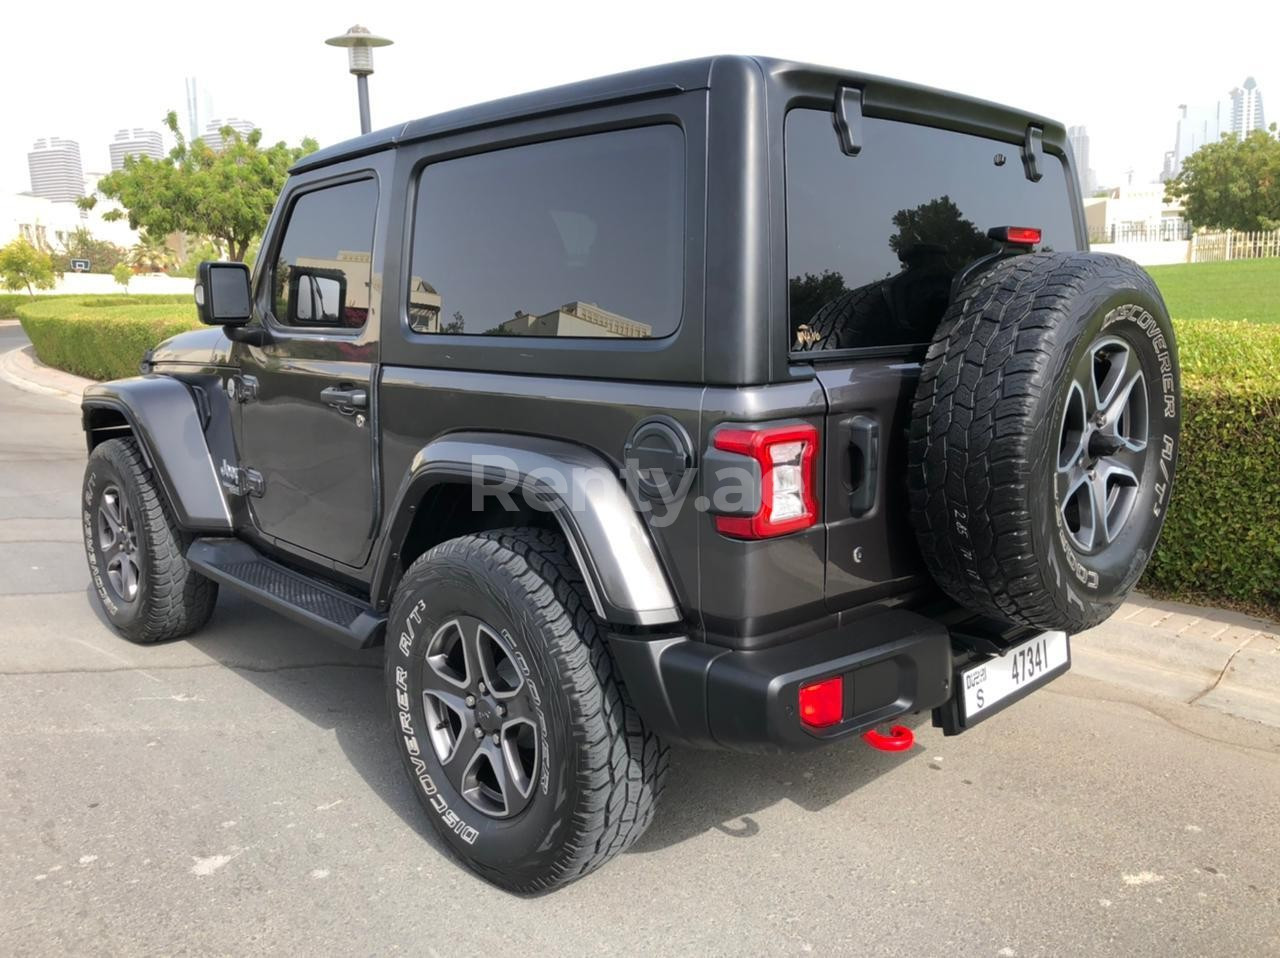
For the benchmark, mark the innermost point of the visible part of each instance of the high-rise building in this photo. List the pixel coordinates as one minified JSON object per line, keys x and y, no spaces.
{"x":199,"y":108}
{"x":1240,"y":112}
{"x":135,"y":142}
{"x":1079,"y":139}
{"x":1246,"y":109}
{"x":213,"y":131}
{"x":56,"y":172}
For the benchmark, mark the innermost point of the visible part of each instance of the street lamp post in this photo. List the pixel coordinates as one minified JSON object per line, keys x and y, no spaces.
{"x":360,"y":43}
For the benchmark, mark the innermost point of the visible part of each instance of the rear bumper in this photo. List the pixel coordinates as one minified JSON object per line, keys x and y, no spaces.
{"x":893,"y":662}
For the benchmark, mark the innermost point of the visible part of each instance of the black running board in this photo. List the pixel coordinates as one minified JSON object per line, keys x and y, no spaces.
{"x":237,"y":565}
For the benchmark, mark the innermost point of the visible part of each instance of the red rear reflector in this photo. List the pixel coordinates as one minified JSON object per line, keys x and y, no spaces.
{"x":1016,"y":235}
{"x":822,"y":703}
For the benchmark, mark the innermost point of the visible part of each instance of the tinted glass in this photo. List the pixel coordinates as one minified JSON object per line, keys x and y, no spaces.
{"x":581,"y":237}
{"x":874,"y":240}
{"x":322,"y":272}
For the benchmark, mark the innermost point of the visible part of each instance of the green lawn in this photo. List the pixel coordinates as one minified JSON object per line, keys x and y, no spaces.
{"x":1245,"y":289}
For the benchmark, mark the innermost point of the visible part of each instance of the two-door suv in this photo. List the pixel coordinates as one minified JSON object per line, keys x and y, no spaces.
{"x":736,"y":403}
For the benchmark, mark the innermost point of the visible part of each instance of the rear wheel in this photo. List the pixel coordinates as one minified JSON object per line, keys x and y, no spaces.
{"x":1044,"y":438}
{"x":513,"y":726}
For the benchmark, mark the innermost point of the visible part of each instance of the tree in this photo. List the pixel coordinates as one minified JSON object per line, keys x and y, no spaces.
{"x":122,"y":274}
{"x":1233,"y":184}
{"x":810,"y":292}
{"x":101,"y":254}
{"x":939,"y":224}
{"x":197,"y":253}
{"x":151,"y":255}
{"x":226,"y":195}
{"x":22,"y":265}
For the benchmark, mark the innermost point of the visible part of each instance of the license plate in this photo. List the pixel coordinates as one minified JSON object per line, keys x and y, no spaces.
{"x":1002,"y":679}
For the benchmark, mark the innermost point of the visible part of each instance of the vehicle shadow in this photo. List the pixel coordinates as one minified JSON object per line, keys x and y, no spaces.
{"x":724,"y":791}
{"x":342,"y":690}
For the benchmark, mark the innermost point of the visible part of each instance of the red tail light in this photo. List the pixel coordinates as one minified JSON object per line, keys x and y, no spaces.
{"x":787,"y":500}
{"x":822,"y":703}
{"x":1016,"y":235}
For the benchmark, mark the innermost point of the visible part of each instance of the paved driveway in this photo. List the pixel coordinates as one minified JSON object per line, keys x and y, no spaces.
{"x":239,"y":792}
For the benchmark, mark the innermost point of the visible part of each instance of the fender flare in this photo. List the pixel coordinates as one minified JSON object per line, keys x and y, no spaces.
{"x":610,"y":543}
{"x":167,"y":425}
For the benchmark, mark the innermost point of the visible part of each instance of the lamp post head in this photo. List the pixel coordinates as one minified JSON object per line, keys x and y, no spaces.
{"x":359,"y":43}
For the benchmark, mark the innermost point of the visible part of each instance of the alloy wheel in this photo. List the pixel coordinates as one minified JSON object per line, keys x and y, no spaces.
{"x":1102,"y":444}
{"x":118,"y":544}
{"x":481,"y":722}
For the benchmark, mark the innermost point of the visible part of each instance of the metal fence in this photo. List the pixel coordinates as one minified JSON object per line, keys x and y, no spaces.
{"x":1234,"y":244}
{"x":1164,"y":232}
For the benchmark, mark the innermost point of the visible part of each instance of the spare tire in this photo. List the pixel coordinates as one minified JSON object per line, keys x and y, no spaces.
{"x":1044,"y":436}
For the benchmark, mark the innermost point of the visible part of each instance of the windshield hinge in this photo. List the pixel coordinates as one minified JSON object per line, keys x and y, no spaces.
{"x":242,"y":388}
{"x":1033,"y":152}
{"x":241,"y":481}
{"x":849,"y":120}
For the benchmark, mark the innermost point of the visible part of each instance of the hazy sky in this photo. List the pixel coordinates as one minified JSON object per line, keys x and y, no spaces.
{"x":83,"y":70}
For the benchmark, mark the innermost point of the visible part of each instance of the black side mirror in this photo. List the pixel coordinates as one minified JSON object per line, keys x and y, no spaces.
{"x":223,"y":296}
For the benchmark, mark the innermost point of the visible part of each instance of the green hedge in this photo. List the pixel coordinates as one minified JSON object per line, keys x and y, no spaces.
{"x":1221,"y":539}
{"x":9,"y":303}
{"x":103,"y":337}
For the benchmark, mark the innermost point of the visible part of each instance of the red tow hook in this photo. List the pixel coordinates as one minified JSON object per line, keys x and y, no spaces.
{"x":899,"y":739}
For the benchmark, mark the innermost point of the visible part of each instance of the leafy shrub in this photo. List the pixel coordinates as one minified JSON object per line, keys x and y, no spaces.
{"x":1222,"y":536}
{"x":103,"y":337}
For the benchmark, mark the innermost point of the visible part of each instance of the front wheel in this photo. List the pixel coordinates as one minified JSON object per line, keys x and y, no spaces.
{"x":512,"y":724}
{"x":136,"y":552}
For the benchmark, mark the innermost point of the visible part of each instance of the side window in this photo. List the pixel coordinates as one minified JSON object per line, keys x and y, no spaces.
{"x":322,"y":271}
{"x":580,"y":237}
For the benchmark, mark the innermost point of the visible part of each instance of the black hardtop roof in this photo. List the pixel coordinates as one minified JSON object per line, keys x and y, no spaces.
{"x":908,"y":99}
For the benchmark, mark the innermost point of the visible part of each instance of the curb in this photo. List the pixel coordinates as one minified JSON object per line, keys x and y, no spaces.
{"x":19,"y":367}
{"x":1214,"y":658}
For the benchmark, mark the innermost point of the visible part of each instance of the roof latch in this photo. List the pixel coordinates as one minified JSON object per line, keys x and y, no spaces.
{"x":1033,"y":152}
{"x":849,"y":120}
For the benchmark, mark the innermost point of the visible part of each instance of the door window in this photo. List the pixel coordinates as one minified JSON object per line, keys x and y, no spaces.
{"x":322,"y":275}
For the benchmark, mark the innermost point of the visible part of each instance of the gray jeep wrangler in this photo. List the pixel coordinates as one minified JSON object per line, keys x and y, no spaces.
{"x":736,"y":403}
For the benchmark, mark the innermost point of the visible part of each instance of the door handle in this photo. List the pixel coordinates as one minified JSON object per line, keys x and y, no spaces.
{"x":864,"y":452}
{"x":344,"y":398}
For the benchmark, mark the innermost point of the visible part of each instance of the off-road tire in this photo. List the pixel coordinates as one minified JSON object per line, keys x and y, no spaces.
{"x":984,"y":474}
{"x":600,"y":772}
{"x":172,"y":599}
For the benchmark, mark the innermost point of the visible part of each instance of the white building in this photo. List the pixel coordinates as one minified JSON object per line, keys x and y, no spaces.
{"x":47,"y":224}
{"x":56,"y":173}
{"x":1246,"y":109}
{"x":135,"y":142}
{"x":213,"y":132}
{"x":1134,"y":214}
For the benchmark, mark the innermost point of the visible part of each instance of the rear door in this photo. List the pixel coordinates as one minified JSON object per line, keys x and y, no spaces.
{"x":874,"y":242}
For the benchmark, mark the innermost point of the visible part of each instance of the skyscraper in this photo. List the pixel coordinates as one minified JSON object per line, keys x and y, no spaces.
{"x":135,"y":142}
{"x":1240,"y":112}
{"x":198,"y":108}
{"x":213,"y":131}
{"x":1079,"y":138}
{"x":1246,"y":109}
{"x":56,"y":172}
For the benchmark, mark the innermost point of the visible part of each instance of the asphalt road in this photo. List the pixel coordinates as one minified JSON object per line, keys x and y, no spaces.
{"x":239,"y":792}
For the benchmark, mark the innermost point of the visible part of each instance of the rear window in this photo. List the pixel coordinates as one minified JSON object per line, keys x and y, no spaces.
{"x":874,"y":240}
{"x":580,"y":237}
